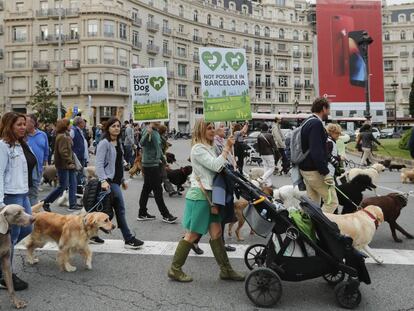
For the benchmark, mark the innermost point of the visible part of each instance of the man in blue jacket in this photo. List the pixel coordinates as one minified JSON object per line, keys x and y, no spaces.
{"x":314,"y":168}
{"x":39,"y":144}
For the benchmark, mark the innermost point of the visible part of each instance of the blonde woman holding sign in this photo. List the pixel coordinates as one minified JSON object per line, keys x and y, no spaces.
{"x":199,"y":217}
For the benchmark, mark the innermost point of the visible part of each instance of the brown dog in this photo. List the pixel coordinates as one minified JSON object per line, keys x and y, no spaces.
{"x":50,"y":175}
{"x":407,"y":175}
{"x":11,"y":215}
{"x":391,"y":205}
{"x":70,"y":232}
{"x":239,"y":207}
{"x":137,"y":167}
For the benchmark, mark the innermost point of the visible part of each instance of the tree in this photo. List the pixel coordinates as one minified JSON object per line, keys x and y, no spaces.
{"x":411,"y":99}
{"x":43,"y":103}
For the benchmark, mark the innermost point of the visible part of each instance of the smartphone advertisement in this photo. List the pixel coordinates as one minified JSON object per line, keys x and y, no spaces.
{"x":341,"y":66}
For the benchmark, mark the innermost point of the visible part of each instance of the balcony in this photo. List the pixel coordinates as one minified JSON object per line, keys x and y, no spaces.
{"x":92,"y":88}
{"x":298,"y":86}
{"x":19,"y":40}
{"x":72,"y":64}
{"x":268,"y":52}
{"x":268,"y":68}
{"x":136,"y":45}
{"x":268,"y":85}
{"x":71,"y":90}
{"x":307,"y":54}
{"x":248,"y":48}
{"x":166,"y":52}
{"x":109,"y":34}
{"x":197,"y":39}
{"x":18,"y":65}
{"x":405,"y":69}
{"x":196,"y":58}
{"x":297,"y":70}
{"x":166,"y":31}
{"x":152,"y":26}
{"x":259,"y":84}
{"x":19,"y":91}
{"x":123,"y":63}
{"x":181,"y":35}
{"x":170,"y":74}
{"x":296,"y":54}
{"x":54,"y":13}
{"x":258,"y":51}
{"x":92,"y":33}
{"x":258,"y":67}
{"x":404,"y":54}
{"x":72,"y":12}
{"x":197,"y":78}
{"x":92,"y":61}
{"x":41,"y":65}
{"x":181,"y":54}
{"x":72,"y":38}
{"x":307,"y":70}
{"x":136,"y":21}
{"x":308,"y":86}
{"x":152,"y":49}
{"x":109,"y":61}
{"x":249,"y":66}
{"x":50,"y":39}
{"x":123,"y":89}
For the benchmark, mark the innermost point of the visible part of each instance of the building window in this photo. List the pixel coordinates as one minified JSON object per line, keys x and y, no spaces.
{"x":268,"y":95}
{"x":283,"y":81}
{"x":123,"y":58}
{"x":389,"y":96}
{"x":108,"y":54}
{"x":19,"y":33}
{"x":123,"y":31}
{"x":388,"y":65}
{"x":257,"y":30}
{"x":402,"y":35}
{"x":92,"y":81}
{"x":281,"y":33}
{"x":182,"y":70}
{"x":199,"y":110}
{"x":387,"y":36}
{"x":195,"y":16}
{"x":19,"y":60}
{"x":43,"y":32}
{"x":283,"y":97}
{"x":267,"y":32}
{"x":305,"y":36}
{"x":74,"y":31}
{"x":181,"y":11}
{"x":92,"y":54}
{"x":109,"y":29}
{"x":135,"y":38}
{"x":295,"y":35}
{"x":109,"y":82}
{"x":245,"y":9}
{"x":221,"y":23}
{"x":268,"y":81}
{"x":258,"y":95}
{"x":233,"y":25}
{"x":19,"y":6}
{"x":181,"y":51}
{"x":92,"y":28}
{"x":182,"y":90}
{"x":181,"y":28}
{"x":281,"y":2}
{"x":209,"y":19}
{"x":151,"y":62}
{"x":401,"y":18}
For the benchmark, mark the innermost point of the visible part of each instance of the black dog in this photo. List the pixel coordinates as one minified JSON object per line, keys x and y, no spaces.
{"x":353,"y":190}
{"x":170,"y":157}
{"x":392,"y":166}
{"x":179,"y":176}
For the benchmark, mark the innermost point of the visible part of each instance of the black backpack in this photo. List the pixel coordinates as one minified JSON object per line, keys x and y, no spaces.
{"x":94,"y":200}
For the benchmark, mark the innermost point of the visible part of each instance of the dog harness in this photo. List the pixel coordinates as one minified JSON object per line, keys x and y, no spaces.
{"x":372,"y":217}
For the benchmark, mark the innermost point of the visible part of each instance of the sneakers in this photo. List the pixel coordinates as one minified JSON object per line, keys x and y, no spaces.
{"x":229,"y":248}
{"x":145,"y":217}
{"x":169,"y":219}
{"x":196,"y":249}
{"x":74,"y":208}
{"x":46,"y":207}
{"x":96,"y":240}
{"x":134,"y":243}
{"x":18,"y":284}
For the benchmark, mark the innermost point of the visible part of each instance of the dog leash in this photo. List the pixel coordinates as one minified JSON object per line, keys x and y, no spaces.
{"x":346,"y":197}
{"x":102,"y":196}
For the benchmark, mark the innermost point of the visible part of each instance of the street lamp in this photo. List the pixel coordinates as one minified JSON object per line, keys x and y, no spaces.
{"x":363,"y":43}
{"x":394,"y":86}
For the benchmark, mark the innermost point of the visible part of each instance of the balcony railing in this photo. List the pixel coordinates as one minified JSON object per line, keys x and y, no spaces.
{"x":109,"y":34}
{"x":196,"y":58}
{"x":297,"y":54}
{"x":406,"y":85}
{"x":248,"y":48}
{"x":170,"y":74}
{"x":307,"y":54}
{"x":152,"y":49}
{"x":136,"y":45}
{"x":108,"y":61}
{"x":197,"y":39}
{"x":307,"y":70}
{"x":197,"y":78}
{"x":268,"y":68}
{"x":166,"y":52}
{"x":41,"y":65}
{"x":136,"y":21}
{"x":52,"y":39}
{"x":92,"y":61}
{"x":308,"y":86}
{"x":92,"y":88}
{"x":298,"y":86}
{"x":259,"y":84}
{"x":166,"y":31}
{"x":152,"y":26}
{"x":92,"y":33}
{"x":268,"y":52}
{"x":54,"y":13}
{"x":72,"y":38}
{"x":404,"y":54}
{"x":19,"y":91}
{"x":258,"y":67}
{"x":18,"y":65}
{"x":123,"y":63}
{"x":19,"y":40}
{"x":405,"y":69}
{"x":181,"y":54}
{"x":72,"y":64}
{"x":297,"y":70}
{"x":258,"y":51}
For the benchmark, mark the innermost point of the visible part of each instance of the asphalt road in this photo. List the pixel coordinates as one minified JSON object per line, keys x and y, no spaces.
{"x":139,"y":282}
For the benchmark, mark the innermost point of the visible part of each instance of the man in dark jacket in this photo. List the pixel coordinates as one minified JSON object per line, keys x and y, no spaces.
{"x":411,"y":143}
{"x":266,"y":147}
{"x":314,"y":168}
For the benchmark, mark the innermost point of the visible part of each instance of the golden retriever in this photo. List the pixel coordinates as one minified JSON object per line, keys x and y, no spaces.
{"x":137,"y":167}
{"x":70,"y":232}
{"x":360,"y":226}
{"x":407,"y":175}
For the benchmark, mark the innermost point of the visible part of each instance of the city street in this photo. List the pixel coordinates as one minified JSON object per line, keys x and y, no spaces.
{"x":137,"y":280}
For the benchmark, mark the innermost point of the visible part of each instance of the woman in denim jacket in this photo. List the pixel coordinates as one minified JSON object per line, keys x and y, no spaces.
{"x":18,"y":171}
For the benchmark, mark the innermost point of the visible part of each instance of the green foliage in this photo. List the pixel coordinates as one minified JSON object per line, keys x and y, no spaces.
{"x":411,"y":100}
{"x":403,"y":143}
{"x":43,"y":104}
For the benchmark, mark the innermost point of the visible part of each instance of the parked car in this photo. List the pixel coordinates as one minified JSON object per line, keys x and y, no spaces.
{"x":375,"y":132}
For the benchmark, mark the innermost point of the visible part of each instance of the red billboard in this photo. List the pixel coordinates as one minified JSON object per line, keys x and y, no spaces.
{"x":341,"y":67}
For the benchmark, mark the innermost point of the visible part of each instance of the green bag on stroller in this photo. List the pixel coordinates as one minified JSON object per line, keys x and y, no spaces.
{"x":304,"y":223}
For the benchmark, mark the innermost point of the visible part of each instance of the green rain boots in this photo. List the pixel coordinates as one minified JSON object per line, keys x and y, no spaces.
{"x":226,"y":270}
{"x":181,"y":253}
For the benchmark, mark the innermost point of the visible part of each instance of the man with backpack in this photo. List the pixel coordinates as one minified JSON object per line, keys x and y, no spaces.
{"x":267,"y":149}
{"x":309,"y":154}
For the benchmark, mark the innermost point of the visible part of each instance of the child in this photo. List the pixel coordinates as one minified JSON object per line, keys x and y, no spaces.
{"x":334,"y":160}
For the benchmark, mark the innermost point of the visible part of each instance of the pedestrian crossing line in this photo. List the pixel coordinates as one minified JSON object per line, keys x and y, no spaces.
{"x":166,"y":248}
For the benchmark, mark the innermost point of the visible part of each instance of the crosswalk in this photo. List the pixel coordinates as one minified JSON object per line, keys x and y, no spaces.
{"x":167,"y":248}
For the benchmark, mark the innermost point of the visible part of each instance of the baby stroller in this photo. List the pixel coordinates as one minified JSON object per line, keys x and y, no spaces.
{"x":252,"y":156}
{"x":292,"y":255}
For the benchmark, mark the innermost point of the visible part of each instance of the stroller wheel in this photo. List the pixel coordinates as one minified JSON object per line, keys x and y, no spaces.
{"x":346,"y":296}
{"x":255,"y":256}
{"x":334,"y":278}
{"x":263,"y":287}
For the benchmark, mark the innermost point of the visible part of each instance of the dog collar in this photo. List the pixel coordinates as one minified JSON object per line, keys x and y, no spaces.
{"x":373,"y":218}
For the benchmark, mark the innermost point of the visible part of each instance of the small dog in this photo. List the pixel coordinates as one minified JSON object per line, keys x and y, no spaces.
{"x":360,"y":226}
{"x":256,"y":173}
{"x":50,"y":175}
{"x":239,"y":207}
{"x":407,"y":175}
{"x":70,"y":232}
{"x":11,"y":215}
{"x":353,"y":190}
{"x":179,"y":176}
{"x":170,"y":158}
{"x":137,"y":167}
{"x":391,"y":205}
{"x":392,"y":166}
{"x":289,"y":195}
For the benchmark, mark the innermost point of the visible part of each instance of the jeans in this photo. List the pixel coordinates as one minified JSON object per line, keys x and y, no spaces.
{"x":119,"y":208}
{"x":34,"y":194}
{"x":269,"y":168}
{"x":285,"y":160}
{"x":18,"y":233}
{"x":129,"y":154}
{"x":80,"y":176}
{"x":152,"y":182}
{"x":67,"y":179}
{"x":167,"y":184}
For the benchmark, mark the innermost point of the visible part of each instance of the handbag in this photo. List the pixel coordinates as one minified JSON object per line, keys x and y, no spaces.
{"x":78,"y":165}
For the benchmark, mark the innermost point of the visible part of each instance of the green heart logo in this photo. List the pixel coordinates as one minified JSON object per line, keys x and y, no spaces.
{"x":212,"y":60}
{"x":157,"y":82}
{"x":235,"y":60}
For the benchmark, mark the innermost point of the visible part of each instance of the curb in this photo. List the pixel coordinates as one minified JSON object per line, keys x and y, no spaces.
{"x":393,"y":159}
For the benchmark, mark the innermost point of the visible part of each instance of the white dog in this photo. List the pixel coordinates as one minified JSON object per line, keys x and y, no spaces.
{"x":256,"y":173}
{"x":372,"y":172}
{"x":289,"y":195}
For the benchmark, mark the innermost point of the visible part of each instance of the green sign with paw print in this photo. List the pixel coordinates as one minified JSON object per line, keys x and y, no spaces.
{"x":225,"y":85}
{"x":149,"y":92}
